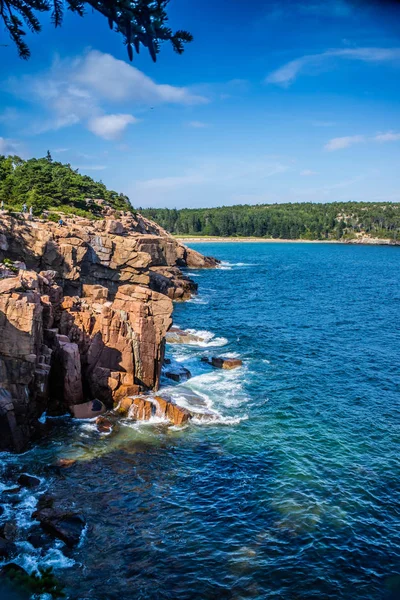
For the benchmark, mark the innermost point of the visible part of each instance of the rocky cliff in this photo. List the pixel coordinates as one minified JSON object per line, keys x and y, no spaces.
{"x":84,"y":309}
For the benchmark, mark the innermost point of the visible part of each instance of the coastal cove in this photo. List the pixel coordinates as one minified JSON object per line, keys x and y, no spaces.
{"x":291,"y":490}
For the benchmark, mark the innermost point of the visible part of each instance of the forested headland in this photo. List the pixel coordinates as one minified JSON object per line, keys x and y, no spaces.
{"x":50,"y":186}
{"x":307,"y":221}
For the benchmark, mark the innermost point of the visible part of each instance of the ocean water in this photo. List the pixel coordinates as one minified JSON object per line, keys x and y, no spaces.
{"x":291,"y":488}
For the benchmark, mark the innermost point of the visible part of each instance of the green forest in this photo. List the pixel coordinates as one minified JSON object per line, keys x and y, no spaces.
{"x":48,"y":185}
{"x":308,"y":221}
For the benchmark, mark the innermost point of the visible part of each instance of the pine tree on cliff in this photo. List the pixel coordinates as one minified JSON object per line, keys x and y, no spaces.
{"x":141,"y":22}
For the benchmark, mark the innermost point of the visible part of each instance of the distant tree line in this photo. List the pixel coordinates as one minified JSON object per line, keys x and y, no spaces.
{"x":307,"y":220}
{"x":46,"y":184}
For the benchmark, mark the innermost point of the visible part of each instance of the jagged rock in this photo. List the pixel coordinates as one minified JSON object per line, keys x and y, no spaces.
{"x":64,"y":525}
{"x":143,"y":408}
{"x":226,"y":363}
{"x":178,"y":373}
{"x":92,"y":322}
{"x":174,"y":413}
{"x":28,"y":481}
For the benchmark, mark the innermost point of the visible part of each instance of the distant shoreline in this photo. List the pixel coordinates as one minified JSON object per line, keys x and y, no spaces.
{"x":356,"y":242}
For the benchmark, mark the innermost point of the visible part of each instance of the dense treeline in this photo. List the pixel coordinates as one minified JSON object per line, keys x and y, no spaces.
{"x":284,"y":221}
{"x":46,"y":184}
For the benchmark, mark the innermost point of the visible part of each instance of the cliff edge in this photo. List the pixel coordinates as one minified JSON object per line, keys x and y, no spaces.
{"x":84,"y":310}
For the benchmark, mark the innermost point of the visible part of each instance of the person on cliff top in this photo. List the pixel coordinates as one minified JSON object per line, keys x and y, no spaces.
{"x":30,"y":213}
{"x":60,"y":223}
{"x":24,"y":208}
{"x":2,"y":205}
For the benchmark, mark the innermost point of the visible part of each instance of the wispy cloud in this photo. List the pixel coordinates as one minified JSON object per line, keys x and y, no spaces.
{"x":344,"y":142}
{"x":312,"y":63}
{"x":91,"y":167}
{"x":8,"y":146}
{"x":307,"y":173}
{"x":197,"y":124}
{"x":390,"y":136}
{"x":80,"y":90}
{"x":216,"y":172}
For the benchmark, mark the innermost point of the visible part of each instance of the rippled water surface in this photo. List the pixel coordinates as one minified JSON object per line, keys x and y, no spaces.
{"x":293,"y":491}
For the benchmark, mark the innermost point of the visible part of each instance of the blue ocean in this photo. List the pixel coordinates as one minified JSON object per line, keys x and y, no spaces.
{"x":291,"y":489}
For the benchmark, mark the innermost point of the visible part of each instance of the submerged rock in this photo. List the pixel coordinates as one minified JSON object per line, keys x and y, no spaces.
{"x":64,"y":525}
{"x":9,"y":530}
{"x":28,"y":481}
{"x":65,"y":462}
{"x":7,"y":548}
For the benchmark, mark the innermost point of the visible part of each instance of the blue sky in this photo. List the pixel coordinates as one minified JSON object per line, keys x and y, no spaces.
{"x":287,"y":101}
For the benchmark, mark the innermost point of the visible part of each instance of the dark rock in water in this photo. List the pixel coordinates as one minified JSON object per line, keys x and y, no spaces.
{"x":7,"y":548}
{"x":11,"y":496}
{"x":65,"y":462}
{"x":104,"y":425}
{"x":11,"y":568}
{"x":8,"y":531}
{"x":178,"y":374}
{"x":28,"y":481}
{"x":64,"y":525}
{"x":12,"y":491}
{"x":205,"y":359}
{"x":226,"y":363}
{"x":167,"y":361}
{"x":38,"y":540}
{"x":45,"y":501}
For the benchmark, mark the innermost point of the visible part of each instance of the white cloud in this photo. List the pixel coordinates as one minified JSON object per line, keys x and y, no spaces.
{"x":390,"y":136}
{"x":307,"y":173}
{"x":197,"y":124}
{"x":91,"y":167}
{"x":110,"y":127}
{"x":117,"y":80}
{"x":344,"y":142}
{"x":216,"y":172}
{"x":286,"y":75}
{"x":81,"y":90}
{"x":8,"y":146}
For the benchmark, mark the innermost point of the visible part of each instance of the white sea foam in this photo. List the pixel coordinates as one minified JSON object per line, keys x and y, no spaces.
{"x":197,"y":300}
{"x":224,"y":264}
{"x":219,"y":420}
{"x":31,"y":559}
{"x":208,"y":338}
